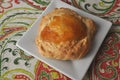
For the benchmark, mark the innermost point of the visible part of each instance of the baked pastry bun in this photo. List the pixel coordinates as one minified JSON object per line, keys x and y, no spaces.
{"x":64,"y":34}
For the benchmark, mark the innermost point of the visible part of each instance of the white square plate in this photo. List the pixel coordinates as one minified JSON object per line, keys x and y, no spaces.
{"x":75,"y":69}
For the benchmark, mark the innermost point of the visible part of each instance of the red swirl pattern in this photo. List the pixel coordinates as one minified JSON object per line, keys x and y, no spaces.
{"x":21,"y":77}
{"x":48,"y":71}
{"x":106,"y":65}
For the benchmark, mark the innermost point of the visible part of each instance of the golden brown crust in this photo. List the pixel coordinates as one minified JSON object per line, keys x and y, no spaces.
{"x":65,"y":35}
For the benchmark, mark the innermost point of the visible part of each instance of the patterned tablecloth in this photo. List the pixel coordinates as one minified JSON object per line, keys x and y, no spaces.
{"x":16,"y":16}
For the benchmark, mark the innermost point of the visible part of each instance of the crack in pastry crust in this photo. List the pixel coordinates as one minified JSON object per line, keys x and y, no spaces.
{"x":65,"y":35}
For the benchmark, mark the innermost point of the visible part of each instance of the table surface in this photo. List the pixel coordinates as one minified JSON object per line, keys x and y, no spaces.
{"x":16,"y":16}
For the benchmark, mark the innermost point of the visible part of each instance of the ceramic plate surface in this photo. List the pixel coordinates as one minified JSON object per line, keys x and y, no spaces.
{"x":75,"y":69}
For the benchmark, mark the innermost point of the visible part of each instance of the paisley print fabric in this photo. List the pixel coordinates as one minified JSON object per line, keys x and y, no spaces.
{"x":16,"y":16}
